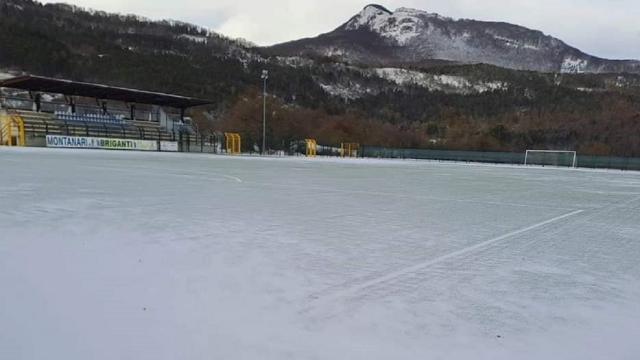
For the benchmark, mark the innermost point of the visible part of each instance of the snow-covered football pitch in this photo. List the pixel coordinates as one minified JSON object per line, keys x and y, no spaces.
{"x":117,"y":255}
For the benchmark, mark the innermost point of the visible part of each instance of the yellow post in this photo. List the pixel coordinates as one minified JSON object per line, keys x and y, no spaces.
{"x":234,"y":143}
{"x":312,"y":147}
{"x":238,"y":144}
{"x":7,"y":125}
{"x":5,"y":131}
{"x":349,"y":149}
{"x":22,"y":141}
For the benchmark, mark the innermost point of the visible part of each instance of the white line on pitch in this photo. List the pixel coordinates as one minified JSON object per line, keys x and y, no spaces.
{"x":237,"y":179}
{"x":440,"y":259}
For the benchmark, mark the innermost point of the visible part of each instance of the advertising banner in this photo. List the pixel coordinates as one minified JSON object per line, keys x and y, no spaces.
{"x":81,"y":142}
{"x":169,"y":146}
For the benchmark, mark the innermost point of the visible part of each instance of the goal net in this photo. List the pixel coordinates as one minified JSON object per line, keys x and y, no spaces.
{"x":551,"y":158}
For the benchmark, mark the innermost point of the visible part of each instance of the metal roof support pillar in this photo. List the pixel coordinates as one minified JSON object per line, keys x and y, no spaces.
{"x":37,"y":100}
{"x":132,"y":112}
{"x":72,"y":103}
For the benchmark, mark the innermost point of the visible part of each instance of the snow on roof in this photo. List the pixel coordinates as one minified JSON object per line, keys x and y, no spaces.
{"x":4,"y":75}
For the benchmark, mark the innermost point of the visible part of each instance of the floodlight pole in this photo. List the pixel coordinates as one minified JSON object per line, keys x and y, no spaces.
{"x":264,"y":77}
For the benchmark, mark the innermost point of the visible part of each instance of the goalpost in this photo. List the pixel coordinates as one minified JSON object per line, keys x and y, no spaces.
{"x":551,"y":158}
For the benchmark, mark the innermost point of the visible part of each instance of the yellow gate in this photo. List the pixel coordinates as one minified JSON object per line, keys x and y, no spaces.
{"x":233,"y":143}
{"x":349,"y":149}
{"x":312,"y":147}
{"x":12,"y":131}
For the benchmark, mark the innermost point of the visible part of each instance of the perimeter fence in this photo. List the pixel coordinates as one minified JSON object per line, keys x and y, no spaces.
{"x":584,"y":161}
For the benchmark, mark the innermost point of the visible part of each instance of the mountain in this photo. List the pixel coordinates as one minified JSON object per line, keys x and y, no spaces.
{"x":377,"y":36}
{"x":393,"y":101}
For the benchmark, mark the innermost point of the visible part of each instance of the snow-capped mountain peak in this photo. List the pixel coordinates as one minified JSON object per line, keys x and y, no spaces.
{"x":377,"y":36}
{"x":373,"y":10}
{"x":368,"y":17}
{"x":400,"y":26}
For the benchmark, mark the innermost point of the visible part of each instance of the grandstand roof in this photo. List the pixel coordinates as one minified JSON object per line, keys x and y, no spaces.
{"x":68,"y":87}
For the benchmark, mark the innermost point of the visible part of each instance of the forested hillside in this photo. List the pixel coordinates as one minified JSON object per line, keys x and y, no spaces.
{"x":433,"y":105}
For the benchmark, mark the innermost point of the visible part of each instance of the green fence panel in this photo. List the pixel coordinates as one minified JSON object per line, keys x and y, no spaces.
{"x":585,"y":161}
{"x":608,"y":162}
{"x":445,"y":155}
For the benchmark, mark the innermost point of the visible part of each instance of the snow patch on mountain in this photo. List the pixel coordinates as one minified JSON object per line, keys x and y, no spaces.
{"x":245,"y":56}
{"x":195,"y":38}
{"x":294,"y":61}
{"x":450,"y":84}
{"x":515,"y":43}
{"x":445,"y":83}
{"x":15,"y":6}
{"x":400,"y":26}
{"x":573,"y":65}
{"x":402,"y":76}
{"x":348,"y":92}
{"x":334,"y":52}
{"x":368,"y":14}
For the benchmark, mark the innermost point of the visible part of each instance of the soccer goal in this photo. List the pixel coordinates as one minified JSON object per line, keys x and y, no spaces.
{"x":551,"y":158}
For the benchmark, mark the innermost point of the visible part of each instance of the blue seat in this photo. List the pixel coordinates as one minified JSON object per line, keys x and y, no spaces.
{"x":92,"y":118}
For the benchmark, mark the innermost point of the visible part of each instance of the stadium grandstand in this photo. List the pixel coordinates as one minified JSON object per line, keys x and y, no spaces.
{"x":50,"y":111}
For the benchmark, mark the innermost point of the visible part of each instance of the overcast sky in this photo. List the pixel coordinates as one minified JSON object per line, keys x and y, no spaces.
{"x":606,"y":28}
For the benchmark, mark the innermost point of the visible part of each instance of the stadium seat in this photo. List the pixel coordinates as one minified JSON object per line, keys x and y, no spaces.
{"x":92,"y":118}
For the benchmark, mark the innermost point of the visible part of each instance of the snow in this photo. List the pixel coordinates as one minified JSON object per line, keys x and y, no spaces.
{"x":573,"y":65}
{"x":418,"y":12}
{"x":118,"y":255}
{"x":402,"y":76}
{"x":515,"y":43}
{"x":345,"y":91}
{"x":5,"y":75}
{"x":334,"y":51}
{"x":368,"y":14}
{"x":15,"y":6}
{"x":195,"y":38}
{"x":446,"y":83}
{"x":294,"y":61}
{"x":401,"y":26}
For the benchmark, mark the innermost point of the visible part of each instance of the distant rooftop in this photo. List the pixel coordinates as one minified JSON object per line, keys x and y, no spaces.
{"x":98,"y":91}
